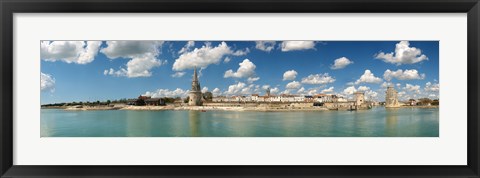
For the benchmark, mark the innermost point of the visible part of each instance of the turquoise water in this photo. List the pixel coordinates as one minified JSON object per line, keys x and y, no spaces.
{"x":377,"y":122}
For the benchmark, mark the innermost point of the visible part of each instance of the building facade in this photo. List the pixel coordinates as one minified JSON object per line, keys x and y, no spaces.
{"x":195,"y":95}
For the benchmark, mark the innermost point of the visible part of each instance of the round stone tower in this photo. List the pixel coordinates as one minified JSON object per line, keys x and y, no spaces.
{"x":359,"y":98}
{"x":391,"y":98}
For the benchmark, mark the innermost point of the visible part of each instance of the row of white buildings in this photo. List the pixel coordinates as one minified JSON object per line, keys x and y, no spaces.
{"x":321,"y":98}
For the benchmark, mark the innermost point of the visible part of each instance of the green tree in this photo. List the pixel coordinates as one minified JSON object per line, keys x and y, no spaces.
{"x":208,"y":96}
{"x":140,"y":102}
{"x":169,"y":100}
{"x":424,"y":101}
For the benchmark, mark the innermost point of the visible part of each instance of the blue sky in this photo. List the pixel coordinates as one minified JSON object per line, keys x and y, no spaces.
{"x":102,"y":70}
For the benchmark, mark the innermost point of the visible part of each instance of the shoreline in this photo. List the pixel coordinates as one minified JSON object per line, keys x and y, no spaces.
{"x":206,"y":108}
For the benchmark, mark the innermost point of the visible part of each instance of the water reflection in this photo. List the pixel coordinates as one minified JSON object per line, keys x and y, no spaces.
{"x":138,"y":124}
{"x":391,"y":115}
{"x":194,"y":122}
{"x":47,"y":127}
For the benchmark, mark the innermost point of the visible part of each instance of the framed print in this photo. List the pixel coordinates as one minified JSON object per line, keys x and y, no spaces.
{"x":232,"y":88}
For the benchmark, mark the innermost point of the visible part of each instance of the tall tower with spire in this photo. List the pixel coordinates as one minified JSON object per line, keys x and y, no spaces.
{"x":195,"y":95}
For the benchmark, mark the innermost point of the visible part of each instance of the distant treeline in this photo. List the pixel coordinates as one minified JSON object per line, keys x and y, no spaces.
{"x":427,"y":101}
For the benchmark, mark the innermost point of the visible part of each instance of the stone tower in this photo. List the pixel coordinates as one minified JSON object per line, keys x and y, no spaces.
{"x":391,"y":98}
{"x":359,"y":98}
{"x":195,"y":94}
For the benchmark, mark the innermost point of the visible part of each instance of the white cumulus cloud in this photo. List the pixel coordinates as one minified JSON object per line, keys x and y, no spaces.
{"x":404,"y":54}
{"x":178,"y":74}
{"x":252,"y":79}
{"x":204,"y":89}
{"x":310,"y":91}
{"x":411,"y":74}
{"x":363,"y":88}
{"x":341,"y":63}
{"x":142,"y":55}
{"x":216,"y":92}
{"x":246,"y":69}
{"x":349,"y":90}
{"x":47,"y":82}
{"x":137,"y":67}
{"x":328,"y":90}
{"x":131,"y":49}
{"x":318,"y":79}
{"x":265,"y":87}
{"x":371,"y":95}
{"x":384,"y":85}
{"x":432,"y":87}
{"x":301,"y":90}
{"x":274,"y":90}
{"x":79,"y":52}
{"x":167,"y":93}
{"x":290,"y":75}
{"x":368,"y":77}
{"x":412,"y":88}
{"x":227,"y":59}
{"x":241,"y":53}
{"x":187,"y":47}
{"x":265,"y":45}
{"x":293,"y":85}
{"x":204,"y":56}
{"x":297,"y":45}
{"x":240,"y":88}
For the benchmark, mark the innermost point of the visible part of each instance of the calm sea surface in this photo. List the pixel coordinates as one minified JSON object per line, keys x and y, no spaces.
{"x":376,"y":122}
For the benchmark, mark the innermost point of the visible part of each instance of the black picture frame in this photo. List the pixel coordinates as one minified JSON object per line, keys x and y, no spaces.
{"x":9,"y":7}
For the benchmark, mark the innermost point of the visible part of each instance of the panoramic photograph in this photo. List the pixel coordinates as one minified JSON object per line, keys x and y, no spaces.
{"x":154,"y":88}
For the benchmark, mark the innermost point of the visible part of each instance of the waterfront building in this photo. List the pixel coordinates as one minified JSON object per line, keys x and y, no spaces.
{"x":287,"y":98}
{"x":132,"y":102}
{"x":219,"y":99}
{"x":309,"y":98}
{"x":195,"y":94}
{"x":254,"y":97}
{"x":336,"y":98}
{"x":322,"y":98}
{"x":143,"y":97}
{"x":140,"y":101}
{"x":235,"y":99}
{"x":246,"y":98}
{"x":391,"y":98}
{"x":155,"y":102}
{"x":263,"y":99}
{"x":275,"y":99}
{"x":299,"y":98}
